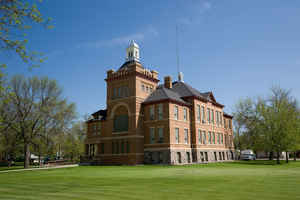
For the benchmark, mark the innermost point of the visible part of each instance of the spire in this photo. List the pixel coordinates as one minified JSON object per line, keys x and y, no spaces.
{"x":133,"y":51}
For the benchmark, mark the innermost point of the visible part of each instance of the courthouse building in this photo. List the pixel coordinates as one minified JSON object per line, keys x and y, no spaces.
{"x":149,"y":123}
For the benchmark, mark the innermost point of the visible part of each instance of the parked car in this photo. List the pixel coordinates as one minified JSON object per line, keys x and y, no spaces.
{"x":247,"y":155}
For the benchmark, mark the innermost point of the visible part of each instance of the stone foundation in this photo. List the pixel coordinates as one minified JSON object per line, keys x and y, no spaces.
{"x":187,"y":156}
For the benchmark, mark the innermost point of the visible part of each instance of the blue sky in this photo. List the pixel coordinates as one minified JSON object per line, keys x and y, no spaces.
{"x":233,"y":48}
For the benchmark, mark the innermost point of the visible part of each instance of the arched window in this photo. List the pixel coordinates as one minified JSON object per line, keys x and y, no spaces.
{"x":120,"y":119}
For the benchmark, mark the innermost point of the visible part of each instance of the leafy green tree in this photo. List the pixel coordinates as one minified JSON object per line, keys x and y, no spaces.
{"x":16,"y":17}
{"x":34,"y":107}
{"x":269,"y":124}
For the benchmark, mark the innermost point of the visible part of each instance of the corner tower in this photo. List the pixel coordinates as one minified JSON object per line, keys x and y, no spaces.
{"x":127,"y":88}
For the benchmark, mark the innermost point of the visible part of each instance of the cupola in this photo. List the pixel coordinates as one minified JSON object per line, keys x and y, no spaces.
{"x":133,"y":52}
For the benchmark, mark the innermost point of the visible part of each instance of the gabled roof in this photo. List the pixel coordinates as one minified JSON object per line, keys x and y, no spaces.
{"x":185,"y":90}
{"x":162,"y":93}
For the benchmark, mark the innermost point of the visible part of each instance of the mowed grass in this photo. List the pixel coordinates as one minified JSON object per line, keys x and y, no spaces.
{"x":242,"y":180}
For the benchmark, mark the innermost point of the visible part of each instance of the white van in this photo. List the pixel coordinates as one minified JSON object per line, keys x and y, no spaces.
{"x":248,"y":155}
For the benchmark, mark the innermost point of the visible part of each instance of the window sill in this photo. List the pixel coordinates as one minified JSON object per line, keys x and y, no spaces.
{"x":119,"y":132}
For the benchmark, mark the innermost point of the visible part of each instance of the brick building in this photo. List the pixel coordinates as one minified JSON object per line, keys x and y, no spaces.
{"x":144,"y":122}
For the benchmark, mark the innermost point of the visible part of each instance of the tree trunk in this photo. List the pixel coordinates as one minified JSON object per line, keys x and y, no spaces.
{"x":26,"y":155}
{"x":295,"y":156}
{"x":278,"y":157}
{"x":271,"y":155}
{"x":287,"y":157}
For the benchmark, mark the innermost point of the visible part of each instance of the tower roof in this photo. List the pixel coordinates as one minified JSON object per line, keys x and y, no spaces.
{"x":134,"y":44}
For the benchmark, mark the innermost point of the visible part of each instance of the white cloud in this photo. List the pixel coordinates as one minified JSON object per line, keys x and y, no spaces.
{"x":149,"y":32}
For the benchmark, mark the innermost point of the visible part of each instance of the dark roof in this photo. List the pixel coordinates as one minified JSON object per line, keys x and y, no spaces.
{"x":128,"y":62}
{"x":185,"y":90}
{"x":178,"y":92}
{"x":162,"y":93}
{"x":227,"y":115}
{"x":101,"y":113}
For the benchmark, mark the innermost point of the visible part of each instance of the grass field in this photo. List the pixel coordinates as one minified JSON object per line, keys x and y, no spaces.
{"x":242,"y":180}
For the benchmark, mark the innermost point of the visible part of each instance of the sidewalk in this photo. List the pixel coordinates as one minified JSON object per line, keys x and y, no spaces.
{"x":31,"y":169}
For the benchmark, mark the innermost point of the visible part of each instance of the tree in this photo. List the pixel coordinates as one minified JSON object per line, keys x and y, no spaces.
{"x":16,"y":17}
{"x":270,"y":124}
{"x":34,"y":107}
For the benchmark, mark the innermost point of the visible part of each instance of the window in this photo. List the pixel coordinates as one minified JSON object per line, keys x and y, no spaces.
{"x":160,"y":111}
{"x":121,"y":123}
{"x":117,"y":148}
{"x":99,"y":129}
{"x":222,"y":138}
{"x":151,"y":89}
{"x":128,"y":147}
{"x":143,"y":87}
{"x":186,"y":136}
{"x":113,"y":148}
{"x":229,"y":124}
{"x":176,"y":112}
{"x":198,"y":113}
{"x":214,"y":137}
{"x":218,"y":139}
{"x":184,"y":114}
{"x":119,"y":91}
{"x":147,"y":89}
{"x":152,"y":112}
{"x":177,"y":135}
{"x":212,"y":116}
{"x":209,"y":137}
{"x":203,"y":115}
{"x":102,"y":147}
{"x":204,"y":137}
{"x":161,"y":134}
{"x":199,"y":136}
{"x":122,"y":147}
{"x":208,"y":115}
{"x":115,"y":93}
{"x":152,"y":135}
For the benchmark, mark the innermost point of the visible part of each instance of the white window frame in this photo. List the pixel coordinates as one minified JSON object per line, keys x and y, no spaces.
{"x":176,"y":112}
{"x":186,"y":136}
{"x":177,"y":135}
{"x":152,"y":135}
{"x":160,"y":111}
{"x":185,"y":114}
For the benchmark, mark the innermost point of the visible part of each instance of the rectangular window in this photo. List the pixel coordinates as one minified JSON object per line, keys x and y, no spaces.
{"x":152,"y":135}
{"x":115,"y":95}
{"x":122,"y":147}
{"x":184,"y":114}
{"x":199,"y":136}
{"x":160,"y":111}
{"x":176,"y":112}
{"x":209,"y":137}
{"x":214,"y":137}
{"x":186,"y":136}
{"x":119,"y":91}
{"x":203,"y":115}
{"x":102,"y":147}
{"x":117,"y":147}
{"x":222,"y":138}
{"x":143,"y":87}
{"x":212,"y":116}
{"x":177,"y":135}
{"x":99,"y":129}
{"x":128,"y":147}
{"x":161,"y":134}
{"x":208,"y":115}
{"x":113,"y":148}
{"x":218,"y":140}
{"x":198,"y":113}
{"x":152,"y":112}
{"x":204,"y":137}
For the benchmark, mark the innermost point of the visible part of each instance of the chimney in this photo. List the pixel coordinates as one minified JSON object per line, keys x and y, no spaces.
{"x":168,"y":82}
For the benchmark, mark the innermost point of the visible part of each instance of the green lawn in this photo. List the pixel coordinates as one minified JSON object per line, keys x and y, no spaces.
{"x":243,"y":180}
